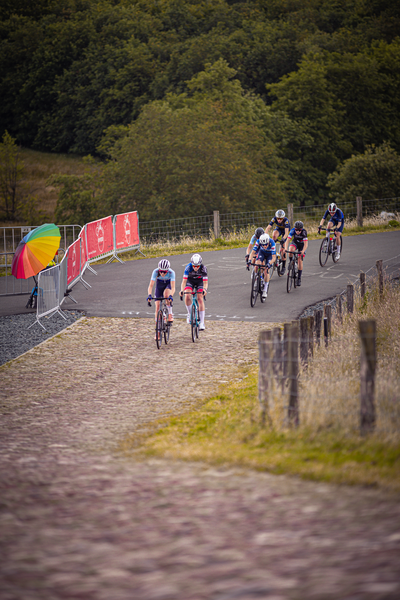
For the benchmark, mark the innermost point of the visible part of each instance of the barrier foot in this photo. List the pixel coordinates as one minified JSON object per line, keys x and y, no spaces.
{"x":85,"y":283}
{"x":140,"y":252}
{"x":114,"y":257}
{"x":91,"y":269}
{"x":37,"y":321}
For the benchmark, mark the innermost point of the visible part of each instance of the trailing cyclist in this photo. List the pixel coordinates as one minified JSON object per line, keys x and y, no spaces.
{"x":256,"y":236}
{"x":282,"y":228}
{"x":265,"y":253}
{"x":195,"y":278}
{"x":164,"y":277}
{"x":336,"y":220}
{"x":297,"y":242}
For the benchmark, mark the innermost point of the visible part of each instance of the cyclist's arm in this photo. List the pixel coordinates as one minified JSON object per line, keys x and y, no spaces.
{"x":183,"y":284}
{"x":150,"y":288}
{"x":268,"y":228}
{"x":249,"y":247}
{"x":172,"y":291}
{"x":305,"y":246}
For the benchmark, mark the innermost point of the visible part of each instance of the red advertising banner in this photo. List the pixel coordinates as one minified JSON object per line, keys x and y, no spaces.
{"x":82,"y":237}
{"x":100,"y":238}
{"x":126,"y":230}
{"x":74,"y":263}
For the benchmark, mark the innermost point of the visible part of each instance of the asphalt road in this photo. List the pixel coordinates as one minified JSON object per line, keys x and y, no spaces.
{"x":120,"y":290}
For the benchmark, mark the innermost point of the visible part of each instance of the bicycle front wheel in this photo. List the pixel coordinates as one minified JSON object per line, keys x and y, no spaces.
{"x":335,"y":257}
{"x":167,"y":329}
{"x":254,"y":288}
{"x":194,"y":323}
{"x":159,"y":328}
{"x":324,"y":252}
{"x":290,"y":274}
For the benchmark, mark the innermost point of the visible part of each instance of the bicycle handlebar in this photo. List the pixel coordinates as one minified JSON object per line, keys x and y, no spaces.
{"x":326,"y":229}
{"x":159,"y":300}
{"x":193,"y":293}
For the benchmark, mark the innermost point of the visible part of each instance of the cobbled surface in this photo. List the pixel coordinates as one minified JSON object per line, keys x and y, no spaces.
{"x":79,"y":522}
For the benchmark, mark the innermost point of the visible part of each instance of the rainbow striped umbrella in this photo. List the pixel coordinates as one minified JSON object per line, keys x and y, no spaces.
{"x":35,"y":251}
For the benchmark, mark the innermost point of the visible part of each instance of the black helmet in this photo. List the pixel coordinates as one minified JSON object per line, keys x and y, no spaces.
{"x":299,"y":225}
{"x":258,"y":232}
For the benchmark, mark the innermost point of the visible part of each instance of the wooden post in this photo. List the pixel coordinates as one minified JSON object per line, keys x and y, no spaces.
{"x":367,"y":373}
{"x":264,"y":373}
{"x":362,"y":284}
{"x":293,"y":410}
{"x":304,"y":341}
{"x":326,"y":339}
{"x":318,"y":325}
{"x":277,"y":353}
{"x":216,"y":223}
{"x":359,"y":211}
{"x":350,"y":298}
{"x":339,"y":307}
{"x":328,"y":316}
{"x":290,"y":214}
{"x":379,"y":268}
{"x":311,"y":336}
{"x":285,"y":353}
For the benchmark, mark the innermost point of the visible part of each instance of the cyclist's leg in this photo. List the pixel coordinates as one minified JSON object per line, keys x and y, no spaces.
{"x":299,"y":248}
{"x":202,"y":306}
{"x":167,"y":293}
{"x":337,"y":234}
{"x":188,"y":299}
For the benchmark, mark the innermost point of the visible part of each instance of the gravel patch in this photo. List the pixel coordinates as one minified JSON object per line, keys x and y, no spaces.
{"x":16,"y":338}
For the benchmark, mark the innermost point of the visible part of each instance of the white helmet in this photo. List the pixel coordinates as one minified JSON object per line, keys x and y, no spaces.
{"x":196,"y":260}
{"x":280,"y":214}
{"x":264,"y":239}
{"x":332,"y":208}
{"x":164,"y":264}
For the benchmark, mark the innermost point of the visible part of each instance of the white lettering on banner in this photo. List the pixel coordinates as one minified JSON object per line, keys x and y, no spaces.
{"x":100,"y":236}
{"x":127,"y":227}
{"x":74,"y":258}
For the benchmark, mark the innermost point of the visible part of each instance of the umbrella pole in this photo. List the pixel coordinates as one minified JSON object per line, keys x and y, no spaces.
{"x":29,"y":304}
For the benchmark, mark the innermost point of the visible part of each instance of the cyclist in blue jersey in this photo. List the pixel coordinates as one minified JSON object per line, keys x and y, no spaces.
{"x":336,"y":220}
{"x":265,"y":253}
{"x":195,"y":278}
{"x":164,"y":278}
{"x":282,"y":228}
{"x":297,"y":242}
{"x":256,"y":236}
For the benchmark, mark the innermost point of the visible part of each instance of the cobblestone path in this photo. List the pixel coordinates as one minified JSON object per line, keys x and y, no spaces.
{"x":77,"y":522}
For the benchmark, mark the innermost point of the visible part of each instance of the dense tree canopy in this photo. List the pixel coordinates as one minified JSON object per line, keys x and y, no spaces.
{"x":318,"y":80}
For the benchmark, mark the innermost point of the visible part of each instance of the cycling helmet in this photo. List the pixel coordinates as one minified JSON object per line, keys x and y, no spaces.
{"x":196,"y":260}
{"x":258,"y":232}
{"x":280,"y":214}
{"x":332,"y":208}
{"x":264,"y":239}
{"x":164,"y":264}
{"x":299,"y":225}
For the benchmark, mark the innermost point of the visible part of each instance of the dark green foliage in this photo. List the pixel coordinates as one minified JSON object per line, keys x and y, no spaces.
{"x":72,"y":70}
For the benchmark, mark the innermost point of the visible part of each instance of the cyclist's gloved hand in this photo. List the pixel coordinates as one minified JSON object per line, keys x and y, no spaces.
{"x":149,"y":298}
{"x":246,"y":257}
{"x":170,"y":298}
{"x":304,"y":254}
{"x":181,"y":295}
{"x":319,"y":229}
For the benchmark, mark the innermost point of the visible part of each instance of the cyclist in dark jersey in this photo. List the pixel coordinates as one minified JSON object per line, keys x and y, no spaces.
{"x":195,"y":277}
{"x":265,"y":253}
{"x":282,"y":228}
{"x":336,"y":220}
{"x":297,"y":242}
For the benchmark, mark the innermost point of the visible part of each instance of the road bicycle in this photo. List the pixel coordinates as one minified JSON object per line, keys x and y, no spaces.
{"x":293,"y":272}
{"x":194,"y":314}
{"x":163,"y":326}
{"x":328,"y":246}
{"x":257,"y":283}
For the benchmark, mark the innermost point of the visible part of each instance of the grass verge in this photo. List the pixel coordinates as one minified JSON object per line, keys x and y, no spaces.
{"x":227,"y":430}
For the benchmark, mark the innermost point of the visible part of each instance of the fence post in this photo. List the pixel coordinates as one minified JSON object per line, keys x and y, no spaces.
{"x":367,"y":374}
{"x":290,"y":214}
{"x":350,"y":298}
{"x":318,"y":325}
{"x":311,"y":336}
{"x":216,"y":224}
{"x":264,"y":373}
{"x":326,"y":331}
{"x":359,"y":211}
{"x":339,"y":307}
{"x":304,"y":342}
{"x":277,"y":352}
{"x":328,"y":315}
{"x":379,"y":268}
{"x":293,"y":409}
{"x":285,"y":353}
{"x":362,"y":284}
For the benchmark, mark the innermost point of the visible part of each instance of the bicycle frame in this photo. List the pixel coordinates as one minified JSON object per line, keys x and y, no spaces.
{"x":163,"y":327}
{"x":194,"y":314}
{"x":293,"y":270}
{"x":328,"y":246}
{"x":256,"y":283}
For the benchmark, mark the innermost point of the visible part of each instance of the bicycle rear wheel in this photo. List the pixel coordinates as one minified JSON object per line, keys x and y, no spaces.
{"x":159,"y":328}
{"x":335,"y":258}
{"x":261,"y":288}
{"x":167,"y":329}
{"x":194,"y":325}
{"x":289,"y":280}
{"x":324,"y":252}
{"x":254,"y":288}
